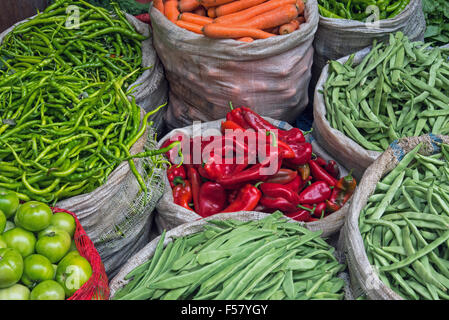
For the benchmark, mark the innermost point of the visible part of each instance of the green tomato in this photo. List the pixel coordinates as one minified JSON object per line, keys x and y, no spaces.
{"x":34,"y":216}
{"x":2,"y":242}
{"x":15,"y":292}
{"x":20,"y":239}
{"x":64,"y":221}
{"x":53,"y":243}
{"x":73,"y":271}
{"x":55,"y":267}
{"x":48,"y":290}
{"x":9,"y":202}
{"x":11,"y":267}
{"x":9,"y":225}
{"x":37,"y":268}
{"x":2,"y":221}
{"x":25,"y":280}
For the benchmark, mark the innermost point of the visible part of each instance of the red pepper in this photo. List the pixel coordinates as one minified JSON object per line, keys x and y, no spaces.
{"x":256,"y":121}
{"x":212,"y":198}
{"x":247,"y":199}
{"x":283,"y":176}
{"x":174,"y":172}
{"x":332,"y":168}
{"x":320,"y":161}
{"x":292,"y":136}
{"x":303,"y":154}
{"x":195,"y":181}
{"x":320,"y":210}
{"x":348,"y":183}
{"x":311,"y":219}
{"x":319,"y":174}
{"x":275,"y":190}
{"x":300,"y":215}
{"x":315,"y":193}
{"x":232,"y":195}
{"x":284,"y":149}
{"x":278,"y":203}
{"x":144,"y":17}
{"x":296,"y":184}
{"x":236,"y":115}
{"x":230,"y":125}
{"x":182,"y":194}
{"x":331,"y":206}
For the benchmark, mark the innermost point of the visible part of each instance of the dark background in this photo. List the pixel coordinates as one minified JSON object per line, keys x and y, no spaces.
{"x":12,"y":11}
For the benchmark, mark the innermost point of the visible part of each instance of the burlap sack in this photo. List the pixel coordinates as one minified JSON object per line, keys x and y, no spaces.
{"x":363,"y":278}
{"x":116,"y":216}
{"x":271,"y":76}
{"x":169,"y":215}
{"x":336,"y":38}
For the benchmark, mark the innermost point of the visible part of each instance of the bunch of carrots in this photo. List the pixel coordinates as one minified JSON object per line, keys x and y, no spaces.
{"x":242,"y":20}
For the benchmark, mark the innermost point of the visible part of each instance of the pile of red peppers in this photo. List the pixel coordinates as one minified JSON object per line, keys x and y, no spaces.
{"x":305,"y":187}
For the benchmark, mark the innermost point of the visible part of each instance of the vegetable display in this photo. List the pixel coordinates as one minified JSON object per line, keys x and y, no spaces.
{"x":302,"y":185}
{"x":405,"y":224}
{"x":361,"y":10}
{"x":66,"y":119}
{"x":399,"y":89}
{"x":242,"y":20}
{"x":37,"y":261}
{"x":236,"y":260}
{"x":436,"y":13}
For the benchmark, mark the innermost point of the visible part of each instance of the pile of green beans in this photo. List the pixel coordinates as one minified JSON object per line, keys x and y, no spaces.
{"x":361,"y":10}
{"x":405,"y":226}
{"x":400,"y":89}
{"x":66,"y":119}
{"x":260,"y":260}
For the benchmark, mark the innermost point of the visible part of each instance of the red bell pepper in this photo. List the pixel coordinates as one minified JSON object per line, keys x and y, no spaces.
{"x":296,"y":184}
{"x":300,"y":215}
{"x":332,"y":168}
{"x":174,"y":172}
{"x":182,"y":194}
{"x":278,"y":203}
{"x":320,"y":210}
{"x":319,"y":174}
{"x":274,"y":190}
{"x":212,"y":199}
{"x":283,"y":176}
{"x":247,"y":199}
{"x":292,"y":136}
{"x":315,"y":193}
{"x":195,"y":181}
{"x":303,"y":154}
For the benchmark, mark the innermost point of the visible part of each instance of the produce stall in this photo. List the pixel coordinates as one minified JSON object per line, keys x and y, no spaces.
{"x":224,"y":150}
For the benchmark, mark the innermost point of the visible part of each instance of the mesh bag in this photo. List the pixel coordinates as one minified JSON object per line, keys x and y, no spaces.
{"x":96,"y":288}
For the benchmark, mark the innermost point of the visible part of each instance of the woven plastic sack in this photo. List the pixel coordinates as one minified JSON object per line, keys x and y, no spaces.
{"x":272,"y":75}
{"x":364,"y":280}
{"x":97,"y":287}
{"x":188,"y":228}
{"x":117,"y":215}
{"x":336,"y":38}
{"x":170,"y":215}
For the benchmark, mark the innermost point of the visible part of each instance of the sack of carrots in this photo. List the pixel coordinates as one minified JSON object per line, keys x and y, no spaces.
{"x":347,"y":27}
{"x":242,"y":20}
{"x":248,"y":163}
{"x":207,"y":67}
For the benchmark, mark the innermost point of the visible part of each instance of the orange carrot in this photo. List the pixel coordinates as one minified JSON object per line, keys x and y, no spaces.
{"x":194,"y":18}
{"x":272,"y":18}
{"x":246,"y":39}
{"x":188,"y":5}
{"x":200,"y":11}
{"x":289,"y":27}
{"x":300,"y":5}
{"x":211,"y":12}
{"x":171,"y":10}
{"x":159,"y":4}
{"x":190,"y":26}
{"x":236,"y":6}
{"x":220,"y":31}
{"x":249,"y":13}
{"x":214,"y":3}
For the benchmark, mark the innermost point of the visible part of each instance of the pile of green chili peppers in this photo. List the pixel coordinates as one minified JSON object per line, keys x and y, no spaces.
{"x":405,"y":226}
{"x":66,"y":121}
{"x":361,"y":10}
{"x":268,"y":259}
{"x":400,"y":89}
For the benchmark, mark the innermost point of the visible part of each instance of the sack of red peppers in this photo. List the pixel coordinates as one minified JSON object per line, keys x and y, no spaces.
{"x":250,"y":163}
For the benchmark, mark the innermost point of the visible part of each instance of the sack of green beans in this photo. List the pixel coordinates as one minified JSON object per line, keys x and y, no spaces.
{"x":233,"y":256}
{"x":395,"y":238}
{"x":170,"y":215}
{"x":365,"y":101}
{"x":70,"y":125}
{"x":151,"y":88}
{"x":337,"y":37}
{"x":204,"y":74}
